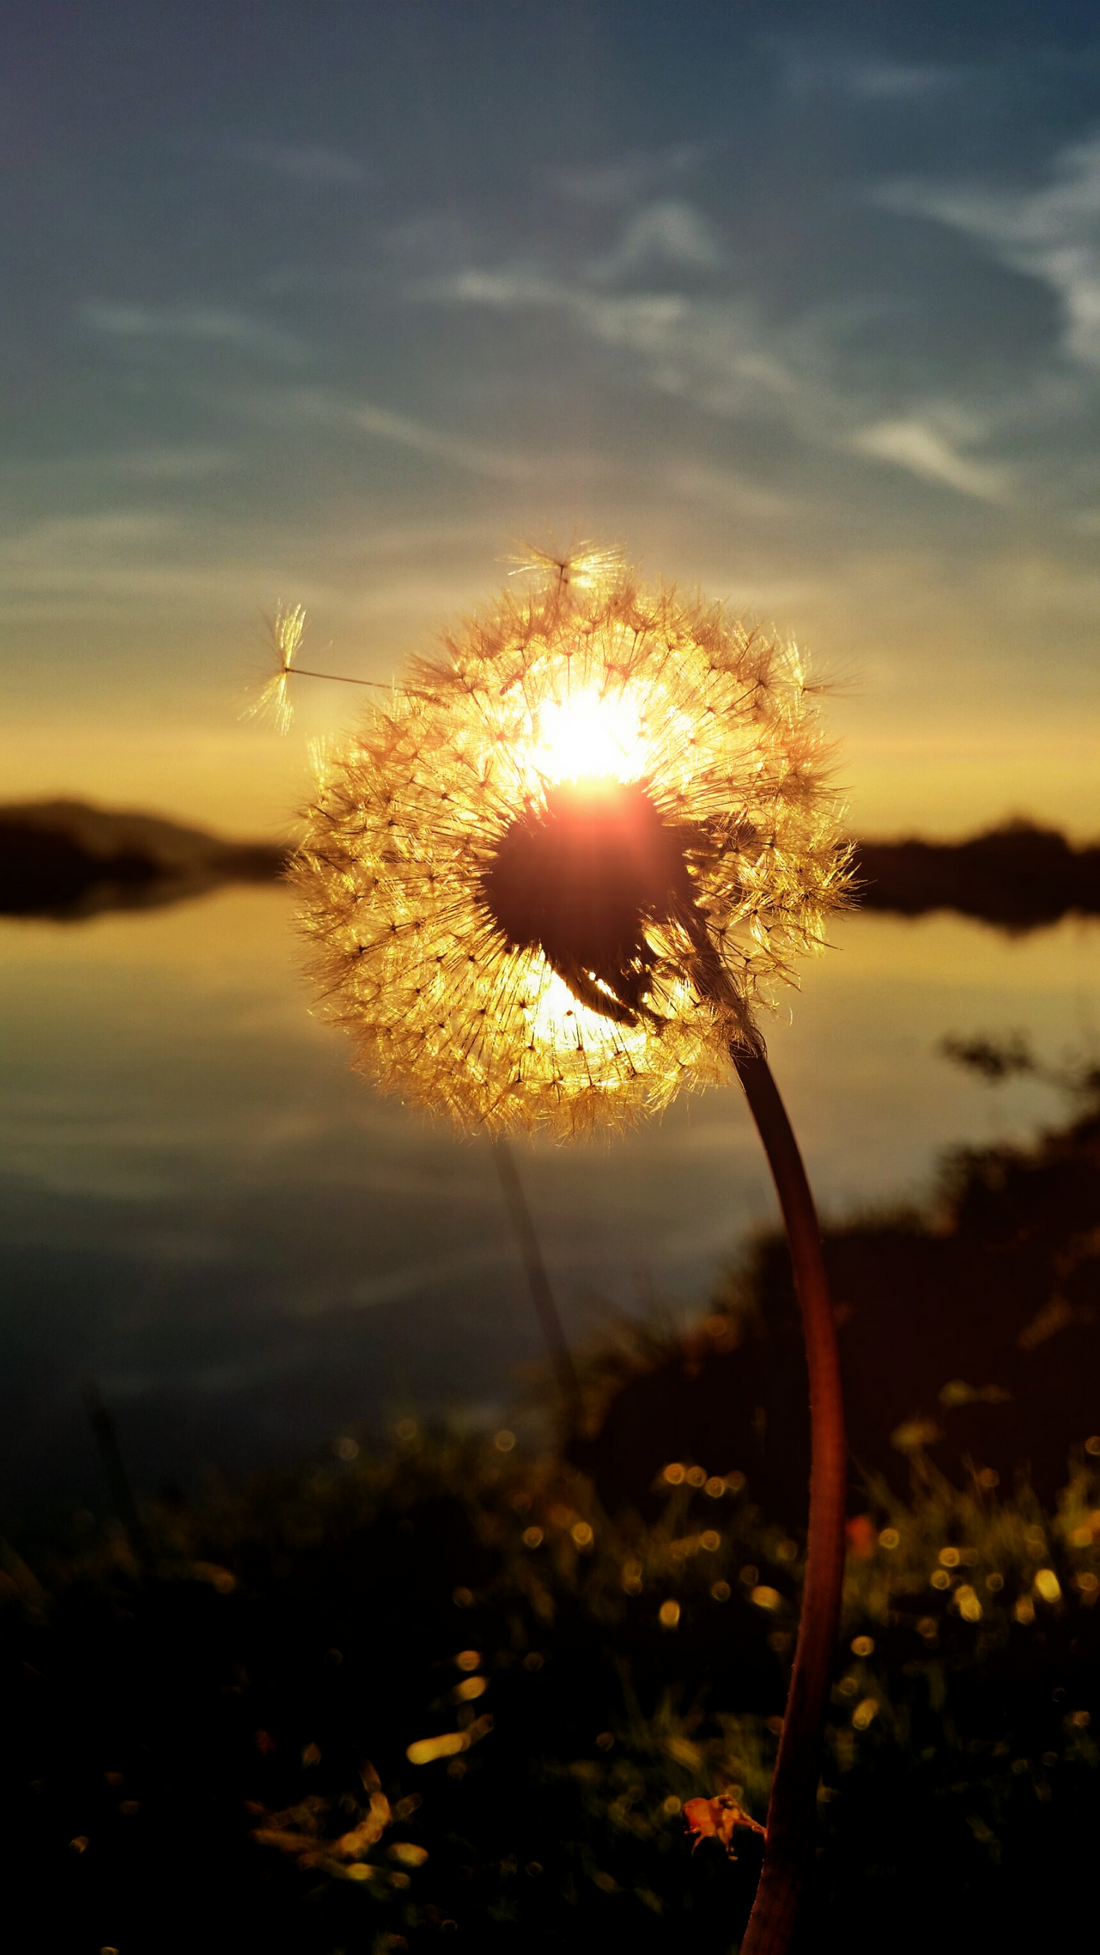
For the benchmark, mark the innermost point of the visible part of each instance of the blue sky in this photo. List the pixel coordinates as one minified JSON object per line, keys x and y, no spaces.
{"x":340,"y":303}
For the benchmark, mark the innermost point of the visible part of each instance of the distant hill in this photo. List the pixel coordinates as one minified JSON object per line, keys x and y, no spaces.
{"x":1018,"y":876}
{"x":68,"y":860}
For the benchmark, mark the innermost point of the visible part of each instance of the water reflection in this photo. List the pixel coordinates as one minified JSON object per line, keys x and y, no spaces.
{"x":201,"y":1208}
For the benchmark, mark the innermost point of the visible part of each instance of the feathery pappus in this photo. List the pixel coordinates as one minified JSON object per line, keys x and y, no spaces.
{"x":549,"y":881}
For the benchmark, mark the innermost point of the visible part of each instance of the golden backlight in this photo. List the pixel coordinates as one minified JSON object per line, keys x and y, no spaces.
{"x":590,"y":737}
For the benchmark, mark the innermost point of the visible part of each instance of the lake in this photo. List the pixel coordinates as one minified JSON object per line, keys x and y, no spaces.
{"x":249,"y":1252}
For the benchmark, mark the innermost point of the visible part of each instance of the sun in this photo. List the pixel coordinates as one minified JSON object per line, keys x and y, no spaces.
{"x":589,"y":736}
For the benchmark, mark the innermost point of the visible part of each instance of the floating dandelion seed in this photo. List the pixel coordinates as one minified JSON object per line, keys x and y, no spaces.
{"x":286,"y":629}
{"x":552,"y":881}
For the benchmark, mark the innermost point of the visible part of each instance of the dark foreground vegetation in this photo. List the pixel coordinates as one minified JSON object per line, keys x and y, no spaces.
{"x":969,"y":1330}
{"x":440,"y":1693}
{"x":452,"y":1689}
{"x":67,"y":860}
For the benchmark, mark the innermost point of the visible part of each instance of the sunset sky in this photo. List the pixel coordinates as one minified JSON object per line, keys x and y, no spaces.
{"x":342,"y":303}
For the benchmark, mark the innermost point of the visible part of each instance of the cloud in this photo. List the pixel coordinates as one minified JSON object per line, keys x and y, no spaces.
{"x":668,"y":234}
{"x":400,"y":429}
{"x":1051,"y":233}
{"x":94,"y":536}
{"x":308,"y":163}
{"x":338,"y":413}
{"x":623,"y":180}
{"x":111,"y":556}
{"x":728,"y":492}
{"x":922,"y":448}
{"x":868,"y":80}
{"x":718,"y":351}
{"x":164,"y":464}
{"x":133,"y":560}
{"x":714,"y":352}
{"x":430,"y":1274}
{"x":208,"y":325}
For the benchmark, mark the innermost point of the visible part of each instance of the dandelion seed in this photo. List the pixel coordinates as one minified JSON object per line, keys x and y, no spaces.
{"x":273,"y":702}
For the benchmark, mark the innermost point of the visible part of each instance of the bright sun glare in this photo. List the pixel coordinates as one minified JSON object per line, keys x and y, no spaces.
{"x":588,"y":737}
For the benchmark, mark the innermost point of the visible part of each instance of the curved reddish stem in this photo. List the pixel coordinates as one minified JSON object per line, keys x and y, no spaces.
{"x":789,"y":1850}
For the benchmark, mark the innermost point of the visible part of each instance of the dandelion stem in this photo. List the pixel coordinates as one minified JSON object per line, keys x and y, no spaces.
{"x":542,"y":1296}
{"x":789,"y":1851}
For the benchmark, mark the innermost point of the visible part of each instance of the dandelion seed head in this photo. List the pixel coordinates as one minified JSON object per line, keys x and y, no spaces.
{"x":548,"y":883}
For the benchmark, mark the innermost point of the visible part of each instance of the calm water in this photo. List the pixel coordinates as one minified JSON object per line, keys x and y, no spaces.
{"x":204,"y":1211}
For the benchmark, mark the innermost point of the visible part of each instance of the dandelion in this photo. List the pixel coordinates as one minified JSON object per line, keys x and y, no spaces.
{"x":548,"y":885}
{"x":553,"y":883}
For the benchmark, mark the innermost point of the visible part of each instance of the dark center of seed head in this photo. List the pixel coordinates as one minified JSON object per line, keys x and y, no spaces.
{"x":579,"y":877}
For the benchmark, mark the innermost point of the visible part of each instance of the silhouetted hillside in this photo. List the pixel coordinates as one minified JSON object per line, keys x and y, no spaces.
{"x":970,"y":1336}
{"x":1018,"y":876}
{"x":67,"y":860}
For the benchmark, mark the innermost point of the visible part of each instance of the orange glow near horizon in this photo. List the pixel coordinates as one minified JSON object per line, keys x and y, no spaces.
{"x":243,"y":778}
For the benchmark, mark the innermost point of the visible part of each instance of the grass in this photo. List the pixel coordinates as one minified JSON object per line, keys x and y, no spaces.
{"x":214,"y":1749}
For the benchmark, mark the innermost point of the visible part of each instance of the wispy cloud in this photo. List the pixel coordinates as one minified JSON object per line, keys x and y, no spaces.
{"x":433,"y":1272}
{"x":623,"y":180}
{"x":404,"y":432}
{"x":868,"y":80}
{"x":668,"y":234}
{"x":148,"y":464}
{"x":323,"y":408}
{"x":1051,"y":233}
{"x":731,"y":493}
{"x":113,"y":556}
{"x":139,"y":563}
{"x":713,"y":352}
{"x":717,"y":349}
{"x":306,"y":163}
{"x":209,"y":325}
{"x":925,"y":450}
